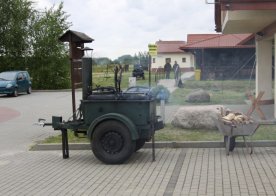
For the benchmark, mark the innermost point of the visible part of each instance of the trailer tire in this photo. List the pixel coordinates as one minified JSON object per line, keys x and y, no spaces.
{"x":139,"y":144}
{"x":111,"y":142}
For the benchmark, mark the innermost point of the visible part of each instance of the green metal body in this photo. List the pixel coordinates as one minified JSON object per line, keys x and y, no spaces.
{"x":138,"y":115}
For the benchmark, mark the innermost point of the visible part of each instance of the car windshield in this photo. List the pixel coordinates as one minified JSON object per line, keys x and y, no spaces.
{"x":7,"y":75}
{"x":138,"y":90}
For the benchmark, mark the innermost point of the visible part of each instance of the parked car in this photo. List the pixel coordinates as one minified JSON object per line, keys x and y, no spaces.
{"x":138,"y":72}
{"x":138,"y":89}
{"x":159,"y":92}
{"x":15,"y":82}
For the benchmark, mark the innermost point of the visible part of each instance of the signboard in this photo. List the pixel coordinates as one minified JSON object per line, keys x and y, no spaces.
{"x":131,"y":81}
{"x":152,"y":49}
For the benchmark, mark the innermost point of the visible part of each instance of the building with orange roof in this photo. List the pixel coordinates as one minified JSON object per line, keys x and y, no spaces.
{"x":170,"y":51}
{"x":221,"y":56}
{"x":257,"y":17}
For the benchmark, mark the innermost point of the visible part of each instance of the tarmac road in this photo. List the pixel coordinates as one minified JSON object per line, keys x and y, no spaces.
{"x":18,"y":115}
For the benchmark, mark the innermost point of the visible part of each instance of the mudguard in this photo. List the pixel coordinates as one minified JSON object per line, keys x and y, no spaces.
{"x":114,"y":116}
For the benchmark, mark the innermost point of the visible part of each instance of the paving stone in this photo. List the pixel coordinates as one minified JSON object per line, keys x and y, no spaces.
{"x":175,"y":172}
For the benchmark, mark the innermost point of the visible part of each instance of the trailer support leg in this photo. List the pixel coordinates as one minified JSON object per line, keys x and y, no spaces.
{"x":65,"y":147}
{"x":153,"y":148}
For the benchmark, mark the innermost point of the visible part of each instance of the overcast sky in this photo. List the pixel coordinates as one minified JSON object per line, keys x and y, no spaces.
{"x":127,"y":26}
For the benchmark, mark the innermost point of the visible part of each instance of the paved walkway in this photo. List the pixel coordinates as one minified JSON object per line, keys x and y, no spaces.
{"x":175,"y":172}
{"x":168,"y":83}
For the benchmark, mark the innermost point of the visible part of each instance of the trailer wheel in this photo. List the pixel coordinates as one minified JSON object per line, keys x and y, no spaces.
{"x":139,"y":144}
{"x":112,"y":143}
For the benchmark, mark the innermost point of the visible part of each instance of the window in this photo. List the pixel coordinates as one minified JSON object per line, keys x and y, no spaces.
{"x":153,"y":60}
{"x":20,"y":76}
{"x":183,"y":60}
{"x":168,"y":60}
{"x":25,"y":75}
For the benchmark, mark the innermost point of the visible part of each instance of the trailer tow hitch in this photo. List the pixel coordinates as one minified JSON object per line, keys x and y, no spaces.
{"x":64,"y":133}
{"x":42,"y":122}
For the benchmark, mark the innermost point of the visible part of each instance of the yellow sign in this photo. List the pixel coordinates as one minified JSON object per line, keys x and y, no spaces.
{"x":152,"y":49}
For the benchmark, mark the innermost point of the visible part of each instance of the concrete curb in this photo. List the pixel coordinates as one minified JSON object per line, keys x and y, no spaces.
{"x":188,"y":144}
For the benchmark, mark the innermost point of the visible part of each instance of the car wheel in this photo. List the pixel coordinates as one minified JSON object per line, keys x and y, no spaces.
{"x":112,"y":142}
{"x":29,"y":90}
{"x":15,"y":92}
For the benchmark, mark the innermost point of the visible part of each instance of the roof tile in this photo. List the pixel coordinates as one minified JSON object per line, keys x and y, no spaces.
{"x":196,"y":41}
{"x":169,"y":46}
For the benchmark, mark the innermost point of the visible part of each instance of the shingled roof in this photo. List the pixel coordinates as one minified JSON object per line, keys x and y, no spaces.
{"x":197,"y":41}
{"x":75,"y":36}
{"x":169,"y":46}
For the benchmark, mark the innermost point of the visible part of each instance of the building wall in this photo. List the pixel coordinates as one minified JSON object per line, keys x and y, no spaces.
{"x":160,"y":60}
{"x":230,"y":63}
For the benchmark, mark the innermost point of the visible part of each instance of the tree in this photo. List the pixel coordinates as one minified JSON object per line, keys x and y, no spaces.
{"x":125,"y":59}
{"x":102,"y":61}
{"x":15,"y":30}
{"x":50,"y":63}
{"x":144,"y":59}
{"x":29,"y":40}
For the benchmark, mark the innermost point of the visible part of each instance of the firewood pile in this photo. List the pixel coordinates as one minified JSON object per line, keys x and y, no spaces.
{"x":230,"y":117}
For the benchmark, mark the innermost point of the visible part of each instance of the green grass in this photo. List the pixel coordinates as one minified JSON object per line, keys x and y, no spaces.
{"x":103,"y":78}
{"x":221,"y":92}
{"x":178,"y":97}
{"x":170,"y":133}
{"x":71,"y":138}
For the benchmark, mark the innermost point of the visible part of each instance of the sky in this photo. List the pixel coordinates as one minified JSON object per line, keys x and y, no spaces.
{"x":122,"y":27}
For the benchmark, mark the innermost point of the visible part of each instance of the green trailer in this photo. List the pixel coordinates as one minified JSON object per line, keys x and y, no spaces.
{"x":116,"y":123}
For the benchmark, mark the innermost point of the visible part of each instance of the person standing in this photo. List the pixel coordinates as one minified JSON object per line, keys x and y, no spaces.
{"x":176,"y":70}
{"x":118,"y":70}
{"x":167,"y":69}
{"x":119,"y":77}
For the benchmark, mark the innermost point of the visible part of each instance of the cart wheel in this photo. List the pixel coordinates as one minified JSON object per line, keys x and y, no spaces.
{"x":227,"y":144}
{"x":112,"y":143}
{"x":232,"y":142}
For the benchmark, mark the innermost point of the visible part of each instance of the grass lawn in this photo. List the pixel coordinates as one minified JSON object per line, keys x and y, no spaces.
{"x":170,"y":133}
{"x":107,"y":79}
{"x":222,"y":92}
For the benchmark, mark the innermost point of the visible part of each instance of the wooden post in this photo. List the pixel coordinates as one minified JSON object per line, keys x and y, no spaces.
{"x":255,"y":105}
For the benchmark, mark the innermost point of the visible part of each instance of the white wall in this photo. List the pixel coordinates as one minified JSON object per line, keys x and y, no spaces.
{"x":160,"y":60}
{"x":264,"y":68}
